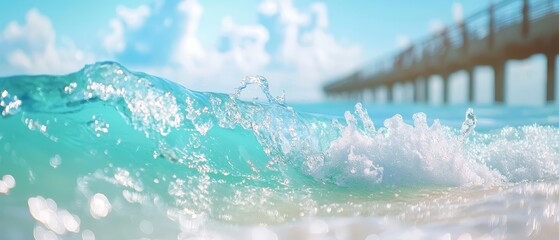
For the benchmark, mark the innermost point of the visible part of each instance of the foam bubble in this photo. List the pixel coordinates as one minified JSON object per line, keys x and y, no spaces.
{"x":40,"y":233}
{"x":7,"y":183}
{"x":146,"y":227}
{"x":70,"y":222}
{"x":122,"y":177}
{"x":318,"y":227}
{"x":56,"y":220}
{"x":88,"y":235}
{"x":4,"y":188}
{"x":263,"y":233}
{"x":99,"y":206}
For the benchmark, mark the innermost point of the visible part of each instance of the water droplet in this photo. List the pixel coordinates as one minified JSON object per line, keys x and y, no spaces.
{"x":70,"y":88}
{"x":9,"y":104}
{"x":55,"y":161}
{"x":98,"y":126}
{"x":469,"y":123}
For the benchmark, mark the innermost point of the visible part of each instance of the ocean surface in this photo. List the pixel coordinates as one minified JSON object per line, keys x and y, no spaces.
{"x":107,"y":153}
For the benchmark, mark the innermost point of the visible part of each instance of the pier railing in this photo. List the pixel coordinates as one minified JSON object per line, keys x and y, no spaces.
{"x":482,"y":26}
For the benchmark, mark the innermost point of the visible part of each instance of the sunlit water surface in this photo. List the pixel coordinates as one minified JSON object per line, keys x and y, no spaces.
{"x":105,"y":153}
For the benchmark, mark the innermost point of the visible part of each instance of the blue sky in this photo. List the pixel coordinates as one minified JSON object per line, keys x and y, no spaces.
{"x":212,"y":45}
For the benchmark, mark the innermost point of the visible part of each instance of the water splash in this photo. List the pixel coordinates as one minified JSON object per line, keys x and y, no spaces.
{"x":469,"y":123}
{"x":140,"y":150}
{"x":400,"y":154}
{"x":262,"y":82}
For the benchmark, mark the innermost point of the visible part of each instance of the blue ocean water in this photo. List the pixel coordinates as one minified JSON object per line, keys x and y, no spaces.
{"x":107,"y":153}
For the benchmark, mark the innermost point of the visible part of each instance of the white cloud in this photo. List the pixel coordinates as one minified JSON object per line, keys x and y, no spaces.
{"x":315,"y":54}
{"x":248,"y":44}
{"x":126,"y":19}
{"x":37,"y":33}
{"x":457,"y":13}
{"x":403,"y":41}
{"x":115,"y":42}
{"x":436,"y":26}
{"x":321,"y":14}
{"x":246,"y":54}
{"x":32,"y":48}
{"x":189,"y":53}
{"x":133,"y":17}
{"x":19,"y":58}
{"x":307,"y":54}
{"x":268,"y":7}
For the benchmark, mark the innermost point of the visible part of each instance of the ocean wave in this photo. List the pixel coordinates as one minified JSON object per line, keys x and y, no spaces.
{"x":138,"y":138}
{"x":185,"y":125}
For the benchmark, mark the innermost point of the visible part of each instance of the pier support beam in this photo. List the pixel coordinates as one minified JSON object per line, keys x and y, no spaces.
{"x":426,"y":89}
{"x":372,"y":94}
{"x":446,"y":88}
{"x":471,"y":84}
{"x":389,"y":93}
{"x":551,"y":78}
{"x":499,"y":90}
{"x":358,"y":95}
{"x":416,"y":90}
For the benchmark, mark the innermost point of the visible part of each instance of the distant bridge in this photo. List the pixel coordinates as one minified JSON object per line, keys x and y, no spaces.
{"x":511,"y":29}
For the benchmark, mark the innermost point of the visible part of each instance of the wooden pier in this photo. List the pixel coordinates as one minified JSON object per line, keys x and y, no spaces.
{"x":508,"y":30}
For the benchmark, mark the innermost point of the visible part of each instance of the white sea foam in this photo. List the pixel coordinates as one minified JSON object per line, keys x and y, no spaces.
{"x":402,"y":154}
